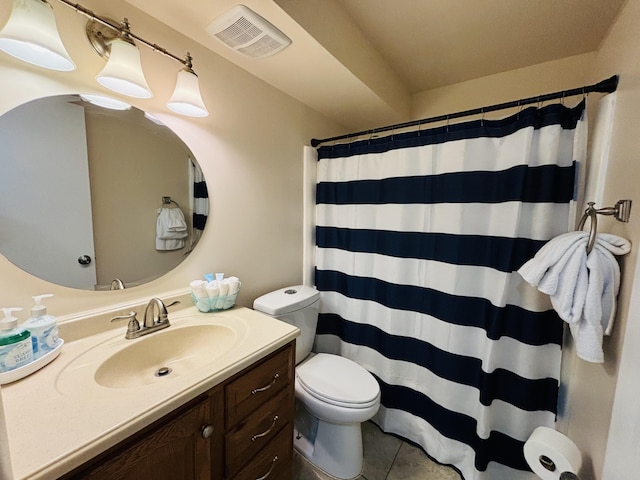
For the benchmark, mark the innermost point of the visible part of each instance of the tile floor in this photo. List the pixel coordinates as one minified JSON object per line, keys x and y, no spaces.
{"x":385,"y":458}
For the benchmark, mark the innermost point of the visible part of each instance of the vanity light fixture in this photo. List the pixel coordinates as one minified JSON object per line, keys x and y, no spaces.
{"x":123,"y":71}
{"x":31,"y":35}
{"x":186,"y":98}
{"x":25,"y":30}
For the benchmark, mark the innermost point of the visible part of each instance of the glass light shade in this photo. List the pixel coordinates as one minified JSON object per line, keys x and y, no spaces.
{"x":123,"y":72}
{"x":31,"y":35}
{"x":186,"y":98}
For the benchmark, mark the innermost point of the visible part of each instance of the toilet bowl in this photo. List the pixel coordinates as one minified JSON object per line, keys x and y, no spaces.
{"x":334,"y":395}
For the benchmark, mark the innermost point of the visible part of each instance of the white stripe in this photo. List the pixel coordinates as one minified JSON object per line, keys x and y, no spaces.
{"x":443,"y":449}
{"x":498,"y":287}
{"x":499,"y":416}
{"x":505,"y":353}
{"x":523,"y":147}
{"x":537,"y":221}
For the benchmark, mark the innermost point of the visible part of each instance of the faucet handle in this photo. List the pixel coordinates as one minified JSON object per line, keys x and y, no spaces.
{"x":129,"y":316}
{"x":133,"y":326}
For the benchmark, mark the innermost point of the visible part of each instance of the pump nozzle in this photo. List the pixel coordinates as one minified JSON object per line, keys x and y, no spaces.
{"x":40,"y":309}
{"x":9,"y":321}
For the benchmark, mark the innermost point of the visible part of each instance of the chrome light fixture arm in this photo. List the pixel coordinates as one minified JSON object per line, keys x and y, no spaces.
{"x":124,"y":31}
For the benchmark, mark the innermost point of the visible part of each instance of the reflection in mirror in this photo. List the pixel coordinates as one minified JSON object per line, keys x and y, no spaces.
{"x":82,"y":189}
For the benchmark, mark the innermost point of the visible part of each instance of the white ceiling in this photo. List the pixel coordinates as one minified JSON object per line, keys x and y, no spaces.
{"x":360,"y":61}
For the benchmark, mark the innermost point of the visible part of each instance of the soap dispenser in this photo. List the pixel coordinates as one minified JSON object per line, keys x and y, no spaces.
{"x":43,"y":328}
{"x":15,"y":342}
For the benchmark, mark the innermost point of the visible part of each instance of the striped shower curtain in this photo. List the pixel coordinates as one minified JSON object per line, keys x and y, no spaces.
{"x":200,"y":197}
{"x":418,"y":239}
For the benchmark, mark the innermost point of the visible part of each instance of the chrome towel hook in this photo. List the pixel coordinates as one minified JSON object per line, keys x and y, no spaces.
{"x":621,"y":212}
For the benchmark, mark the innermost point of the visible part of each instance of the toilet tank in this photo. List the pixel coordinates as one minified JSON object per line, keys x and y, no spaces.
{"x":298,"y":306}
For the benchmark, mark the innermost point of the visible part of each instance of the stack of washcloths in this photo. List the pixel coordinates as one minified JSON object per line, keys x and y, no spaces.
{"x":211,"y":295}
{"x":583,"y":287}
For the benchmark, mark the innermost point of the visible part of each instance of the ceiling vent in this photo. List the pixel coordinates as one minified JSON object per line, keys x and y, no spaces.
{"x":246,"y":32}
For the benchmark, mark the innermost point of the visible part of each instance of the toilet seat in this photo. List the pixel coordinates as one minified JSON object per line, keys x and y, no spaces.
{"x":338,"y":381}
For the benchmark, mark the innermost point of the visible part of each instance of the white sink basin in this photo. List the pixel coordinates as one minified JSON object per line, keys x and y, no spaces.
{"x":156,"y":358}
{"x":161,"y":355}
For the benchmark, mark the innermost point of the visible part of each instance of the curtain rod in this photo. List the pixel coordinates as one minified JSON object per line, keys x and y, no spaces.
{"x":606,"y":86}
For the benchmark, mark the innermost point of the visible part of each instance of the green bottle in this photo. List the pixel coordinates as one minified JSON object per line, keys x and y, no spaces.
{"x":16,"y":349}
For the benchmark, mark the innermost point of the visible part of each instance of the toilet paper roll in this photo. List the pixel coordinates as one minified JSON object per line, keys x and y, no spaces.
{"x":550,"y":453}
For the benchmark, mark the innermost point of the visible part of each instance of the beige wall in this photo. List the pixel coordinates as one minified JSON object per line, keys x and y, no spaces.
{"x":504,"y":87}
{"x":250,"y":150}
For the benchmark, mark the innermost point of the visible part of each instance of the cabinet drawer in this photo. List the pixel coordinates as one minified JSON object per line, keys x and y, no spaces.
{"x":258,"y":430}
{"x":259,"y":385}
{"x":273,"y":462}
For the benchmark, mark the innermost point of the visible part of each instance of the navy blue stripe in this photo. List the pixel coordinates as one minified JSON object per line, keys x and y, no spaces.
{"x":498,"y":447}
{"x":533,"y":328}
{"x":526,"y":394}
{"x":501,"y":253}
{"x":530,"y":117}
{"x":546,"y":183}
{"x":200,"y":190}
{"x":199,"y":221}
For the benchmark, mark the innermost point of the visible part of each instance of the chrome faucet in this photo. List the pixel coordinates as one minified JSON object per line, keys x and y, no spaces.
{"x":117,"y":284}
{"x":156,"y":318}
{"x":150,"y":320}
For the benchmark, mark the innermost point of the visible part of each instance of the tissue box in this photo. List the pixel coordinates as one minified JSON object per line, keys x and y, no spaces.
{"x":216,"y":304}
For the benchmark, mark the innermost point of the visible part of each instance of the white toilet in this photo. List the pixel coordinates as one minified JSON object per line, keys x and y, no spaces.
{"x":334,"y":394}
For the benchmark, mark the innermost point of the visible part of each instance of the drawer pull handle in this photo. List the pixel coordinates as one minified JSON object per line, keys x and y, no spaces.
{"x":207,"y":431}
{"x":267,"y":387}
{"x":266,"y":432}
{"x":273,"y":464}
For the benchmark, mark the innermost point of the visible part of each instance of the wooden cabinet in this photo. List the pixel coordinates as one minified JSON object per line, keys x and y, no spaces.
{"x":239,"y":430}
{"x":259,"y":420}
{"x":178,"y":446}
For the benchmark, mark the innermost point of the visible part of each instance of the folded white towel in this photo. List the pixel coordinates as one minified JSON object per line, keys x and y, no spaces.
{"x":212,"y":289}
{"x":583,"y":288}
{"x":198,"y":290}
{"x":171,"y":229}
{"x":234,"y":285}
{"x":169,"y":244}
{"x":224,"y":290}
{"x":171,"y":224}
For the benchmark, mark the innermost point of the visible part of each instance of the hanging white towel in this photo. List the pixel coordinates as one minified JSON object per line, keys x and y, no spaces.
{"x":171,"y":229}
{"x":583,"y":288}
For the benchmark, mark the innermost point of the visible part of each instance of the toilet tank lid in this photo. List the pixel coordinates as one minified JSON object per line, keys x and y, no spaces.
{"x":286,"y":300}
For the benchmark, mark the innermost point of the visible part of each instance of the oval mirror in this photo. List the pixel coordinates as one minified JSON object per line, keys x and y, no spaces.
{"x":93,"y":198}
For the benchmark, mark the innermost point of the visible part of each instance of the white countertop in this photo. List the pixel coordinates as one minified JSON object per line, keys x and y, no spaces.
{"x":57,"y":418}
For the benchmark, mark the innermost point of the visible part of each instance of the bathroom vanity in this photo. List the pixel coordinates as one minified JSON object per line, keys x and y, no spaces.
{"x":228,"y":414}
